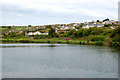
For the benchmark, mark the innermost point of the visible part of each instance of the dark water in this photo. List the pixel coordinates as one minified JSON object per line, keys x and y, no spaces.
{"x":58,"y":61}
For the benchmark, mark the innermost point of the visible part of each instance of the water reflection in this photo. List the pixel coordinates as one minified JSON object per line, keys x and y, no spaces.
{"x":30,"y":45}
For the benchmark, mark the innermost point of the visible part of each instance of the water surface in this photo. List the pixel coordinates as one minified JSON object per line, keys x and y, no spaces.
{"x":58,"y":61}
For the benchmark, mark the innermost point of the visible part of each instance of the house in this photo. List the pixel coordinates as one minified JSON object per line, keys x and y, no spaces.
{"x":65,"y":28}
{"x":71,"y":27}
{"x":37,"y":33}
{"x":85,"y":26}
{"x":108,"y":22}
{"x":44,"y":33}
{"x":12,"y":30}
{"x":112,"y":27}
{"x":29,"y":34}
{"x":88,"y":26}
{"x":59,"y":31}
{"x":92,"y":25}
{"x":20,"y":31}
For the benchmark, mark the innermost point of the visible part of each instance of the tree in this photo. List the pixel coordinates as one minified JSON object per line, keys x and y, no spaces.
{"x":86,"y":32}
{"x":9,"y":27}
{"x":75,"y":35}
{"x":115,"y":31}
{"x":107,"y":25}
{"x":48,"y":27}
{"x":97,"y":31}
{"x":80,"y":32}
{"x":29,"y":26}
{"x":115,"y":34}
{"x":71,"y":32}
{"x":51,"y":33}
{"x":12,"y":34}
{"x":98,"y":21}
{"x":116,"y":37}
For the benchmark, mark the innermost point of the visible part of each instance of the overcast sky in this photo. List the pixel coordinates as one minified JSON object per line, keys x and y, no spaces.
{"x":38,"y":12}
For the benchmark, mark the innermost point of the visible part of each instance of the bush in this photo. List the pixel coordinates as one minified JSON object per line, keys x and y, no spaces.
{"x":71,"y":32}
{"x":114,"y":32}
{"x":116,"y":38}
{"x":86,"y":32}
{"x":107,"y":41}
{"x":97,"y":38}
{"x":48,"y":41}
{"x":97,"y":31}
{"x":40,"y":36}
{"x":80,"y":33}
{"x":75,"y":35}
{"x":107,"y":25}
{"x":99,"y":42}
{"x":64,"y":35}
{"x":62,"y":32}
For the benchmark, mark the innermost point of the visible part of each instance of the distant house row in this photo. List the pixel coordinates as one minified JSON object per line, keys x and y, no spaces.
{"x":92,"y":25}
{"x":95,"y":24}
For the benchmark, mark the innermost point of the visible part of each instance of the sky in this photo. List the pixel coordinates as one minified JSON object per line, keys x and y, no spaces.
{"x":42,"y":12}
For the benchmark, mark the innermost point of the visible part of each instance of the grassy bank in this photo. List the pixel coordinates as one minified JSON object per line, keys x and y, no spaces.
{"x":60,"y":41}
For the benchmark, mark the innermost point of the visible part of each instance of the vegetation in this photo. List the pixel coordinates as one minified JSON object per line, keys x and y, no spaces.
{"x":92,"y":36}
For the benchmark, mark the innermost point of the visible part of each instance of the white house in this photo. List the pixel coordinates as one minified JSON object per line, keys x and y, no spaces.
{"x":37,"y":33}
{"x":44,"y":33}
{"x":92,"y":25}
{"x":85,"y":26}
{"x":71,"y":27}
{"x":29,"y":34}
{"x":108,"y":22}
{"x":64,"y":28}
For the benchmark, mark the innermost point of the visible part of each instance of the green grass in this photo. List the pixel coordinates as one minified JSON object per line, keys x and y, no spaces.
{"x":17,"y":28}
{"x":3,"y":28}
{"x":57,"y":40}
{"x":21,"y":27}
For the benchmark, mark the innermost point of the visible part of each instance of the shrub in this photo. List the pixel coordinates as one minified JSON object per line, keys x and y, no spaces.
{"x":65,"y":35}
{"x":75,"y":35}
{"x":97,"y":38}
{"x":62,"y":32}
{"x":116,"y":38}
{"x":48,"y":41}
{"x":107,"y":41}
{"x":71,"y":32}
{"x":40,"y":36}
{"x":86,"y":32}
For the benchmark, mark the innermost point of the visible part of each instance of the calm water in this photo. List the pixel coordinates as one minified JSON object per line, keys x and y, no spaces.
{"x":58,"y":61}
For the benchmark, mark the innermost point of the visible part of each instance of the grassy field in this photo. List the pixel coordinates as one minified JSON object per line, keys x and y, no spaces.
{"x":3,"y":28}
{"x":21,"y":27}
{"x":16,"y":28}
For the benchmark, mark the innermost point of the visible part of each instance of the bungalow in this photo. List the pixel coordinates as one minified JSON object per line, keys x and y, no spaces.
{"x":12,"y":30}
{"x":65,"y":28}
{"x":44,"y":33}
{"x":71,"y":27}
{"x":36,"y":33}
{"x":88,"y":26}
{"x":29,"y":34}
{"x":108,"y":22}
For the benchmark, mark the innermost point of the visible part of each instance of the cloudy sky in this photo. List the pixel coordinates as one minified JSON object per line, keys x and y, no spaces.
{"x":39,"y":12}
